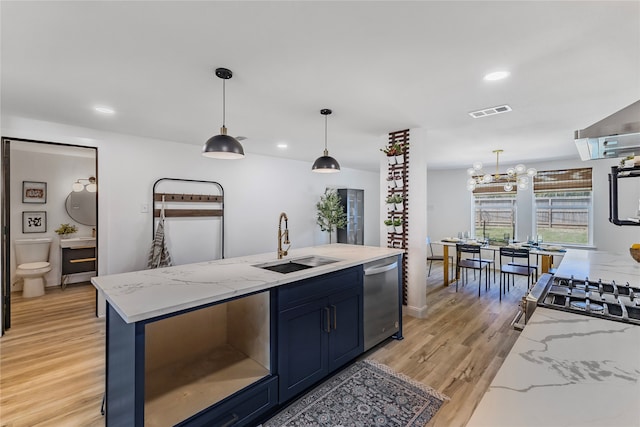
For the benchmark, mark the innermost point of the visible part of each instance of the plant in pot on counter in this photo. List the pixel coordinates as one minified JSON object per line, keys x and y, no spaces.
{"x":65,"y":230}
{"x":331,"y":214}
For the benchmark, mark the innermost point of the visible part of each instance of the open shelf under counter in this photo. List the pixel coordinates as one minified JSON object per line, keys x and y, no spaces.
{"x":202,"y":366}
{"x":176,"y":392}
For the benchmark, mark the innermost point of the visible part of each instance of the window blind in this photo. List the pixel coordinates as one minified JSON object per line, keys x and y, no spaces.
{"x":494,"y":186}
{"x":562,"y":180}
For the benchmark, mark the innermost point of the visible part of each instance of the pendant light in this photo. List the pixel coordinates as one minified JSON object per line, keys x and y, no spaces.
{"x":325,"y":163}
{"x":223,"y":146}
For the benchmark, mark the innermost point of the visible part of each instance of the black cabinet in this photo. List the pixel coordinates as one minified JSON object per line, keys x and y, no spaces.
{"x":353,"y":202}
{"x":78,"y":260}
{"x":319,"y":328}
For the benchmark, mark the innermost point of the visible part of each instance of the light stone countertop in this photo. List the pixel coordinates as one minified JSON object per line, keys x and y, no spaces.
{"x":566,"y":369}
{"x":146,"y":294}
{"x":600,"y":265}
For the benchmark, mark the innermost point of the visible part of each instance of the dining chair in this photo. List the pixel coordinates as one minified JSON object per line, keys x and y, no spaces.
{"x":472,"y":262}
{"x":531,"y":266}
{"x":431,"y":257}
{"x":510,"y":268}
{"x":491,"y":262}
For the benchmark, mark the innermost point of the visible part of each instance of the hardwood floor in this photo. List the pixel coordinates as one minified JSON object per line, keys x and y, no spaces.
{"x":458,"y":348}
{"x":52,"y":359}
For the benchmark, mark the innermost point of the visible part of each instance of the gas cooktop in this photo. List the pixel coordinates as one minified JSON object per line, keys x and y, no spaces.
{"x":613,"y":301}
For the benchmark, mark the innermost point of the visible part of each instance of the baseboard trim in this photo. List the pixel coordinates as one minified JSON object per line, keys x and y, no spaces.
{"x":419,"y":312}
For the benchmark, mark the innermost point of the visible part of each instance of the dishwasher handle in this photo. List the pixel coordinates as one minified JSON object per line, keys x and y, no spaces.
{"x":378,"y":270}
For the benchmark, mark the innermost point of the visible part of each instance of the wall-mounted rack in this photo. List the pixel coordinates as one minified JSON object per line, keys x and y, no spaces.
{"x":400,"y":171}
{"x":192,"y":202}
{"x":620,"y":173}
{"x":187,"y":198}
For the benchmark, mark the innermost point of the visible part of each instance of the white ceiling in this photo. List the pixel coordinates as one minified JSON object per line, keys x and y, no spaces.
{"x":381,"y":66}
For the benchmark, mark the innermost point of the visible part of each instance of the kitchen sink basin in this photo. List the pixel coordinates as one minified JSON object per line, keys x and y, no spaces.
{"x":287,"y":267}
{"x":297,"y":264}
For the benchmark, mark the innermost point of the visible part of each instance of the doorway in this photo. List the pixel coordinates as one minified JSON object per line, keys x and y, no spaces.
{"x":43,"y":186}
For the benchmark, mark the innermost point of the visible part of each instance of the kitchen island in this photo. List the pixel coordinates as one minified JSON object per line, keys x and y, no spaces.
{"x":221,"y":342}
{"x":570,"y":369}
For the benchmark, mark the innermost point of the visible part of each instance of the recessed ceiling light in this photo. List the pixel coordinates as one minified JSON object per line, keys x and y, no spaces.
{"x":104,"y":110}
{"x":282,"y":145}
{"x":497,"y":75}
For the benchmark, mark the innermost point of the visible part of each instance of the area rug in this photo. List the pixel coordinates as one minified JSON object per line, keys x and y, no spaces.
{"x":365,"y":394}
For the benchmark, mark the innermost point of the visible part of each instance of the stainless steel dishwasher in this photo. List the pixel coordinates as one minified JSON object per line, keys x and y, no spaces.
{"x":382,"y":315}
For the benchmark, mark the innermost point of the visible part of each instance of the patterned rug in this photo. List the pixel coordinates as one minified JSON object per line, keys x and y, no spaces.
{"x":365,"y":394}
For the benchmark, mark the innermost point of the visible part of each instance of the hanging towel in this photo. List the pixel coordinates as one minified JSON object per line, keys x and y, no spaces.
{"x":159,"y":254}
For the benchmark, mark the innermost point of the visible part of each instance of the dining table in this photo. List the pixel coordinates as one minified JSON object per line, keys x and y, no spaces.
{"x":545,"y":253}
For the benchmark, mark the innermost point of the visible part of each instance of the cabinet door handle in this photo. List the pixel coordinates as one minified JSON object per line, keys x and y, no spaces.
{"x":335,"y":317}
{"x":74,"y":261}
{"x":234,"y":418}
{"x":328,"y":316}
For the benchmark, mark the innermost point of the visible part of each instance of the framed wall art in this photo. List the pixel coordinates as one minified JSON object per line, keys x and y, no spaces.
{"x":34,"y":192}
{"x":34,"y":222}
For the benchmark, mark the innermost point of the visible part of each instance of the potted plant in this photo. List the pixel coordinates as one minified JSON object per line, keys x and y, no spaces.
{"x":66,"y":230}
{"x":399,"y":182}
{"x":397,"y":225}
{"x":393,"y":153}
{"x":391,"y":203}
{"x":389,"y":224}
{"x":399,"y":202}
{"x":627,"y":162}
{"x":391,"y":182}
{"x":331,"y":214}
{"x":399,"y":154}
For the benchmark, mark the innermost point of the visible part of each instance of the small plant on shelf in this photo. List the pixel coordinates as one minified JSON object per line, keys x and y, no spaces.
{"x":389,"y":224}
{"x":626,"y":161}
{"x":66,"y":229}
{"x":394,"y":150}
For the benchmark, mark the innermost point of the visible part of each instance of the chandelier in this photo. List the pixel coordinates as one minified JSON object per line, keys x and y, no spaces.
{"x":516,"y":176}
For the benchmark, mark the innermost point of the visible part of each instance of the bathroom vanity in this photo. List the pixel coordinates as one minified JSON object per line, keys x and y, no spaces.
{"x":224,"y":342}
{"x":78,"y":255}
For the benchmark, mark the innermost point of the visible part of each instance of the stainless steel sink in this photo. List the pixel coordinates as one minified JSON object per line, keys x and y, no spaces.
{"x":296,"y":264}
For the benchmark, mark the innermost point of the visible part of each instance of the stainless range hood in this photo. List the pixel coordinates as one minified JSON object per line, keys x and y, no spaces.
{"x":615,"y":136}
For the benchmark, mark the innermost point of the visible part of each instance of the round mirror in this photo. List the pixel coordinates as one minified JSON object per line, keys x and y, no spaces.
{"x":81,"y":207}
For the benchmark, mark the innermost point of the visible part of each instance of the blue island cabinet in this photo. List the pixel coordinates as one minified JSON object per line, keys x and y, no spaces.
{"x":320,"y":328}
{"x":207,"y":366}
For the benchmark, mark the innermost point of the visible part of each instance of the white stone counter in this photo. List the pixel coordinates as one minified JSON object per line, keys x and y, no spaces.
{"x":566,"y":369}
{"x":146,"y":294}
{"x":600,"y":265}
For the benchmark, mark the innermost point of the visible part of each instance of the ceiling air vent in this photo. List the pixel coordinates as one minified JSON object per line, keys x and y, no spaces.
{"x":490,"y":111}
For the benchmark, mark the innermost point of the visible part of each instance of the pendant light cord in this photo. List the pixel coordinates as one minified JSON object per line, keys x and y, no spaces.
{"x":223,"y":103}
{"x":325,"y":133}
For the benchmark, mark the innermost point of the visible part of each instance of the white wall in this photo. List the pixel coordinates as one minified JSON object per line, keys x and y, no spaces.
{"x":257,"y":189}
{"x":59,"y":172}
{"x":449,"y":204}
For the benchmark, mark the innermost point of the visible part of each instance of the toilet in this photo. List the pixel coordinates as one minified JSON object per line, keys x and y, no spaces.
{"x":32,"y":258}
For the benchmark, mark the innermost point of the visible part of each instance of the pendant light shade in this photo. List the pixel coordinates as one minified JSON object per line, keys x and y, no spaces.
{"x":325,"y":163}
{"x":223,"y":146}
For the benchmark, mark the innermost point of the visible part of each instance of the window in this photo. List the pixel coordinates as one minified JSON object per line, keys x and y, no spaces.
{"x":494,"y":213}
{"x":563,"y":204}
